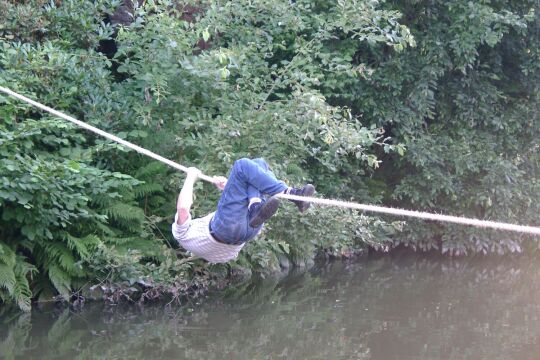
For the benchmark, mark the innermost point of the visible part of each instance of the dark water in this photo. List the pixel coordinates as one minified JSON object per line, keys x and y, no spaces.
{"x":389,"y":308}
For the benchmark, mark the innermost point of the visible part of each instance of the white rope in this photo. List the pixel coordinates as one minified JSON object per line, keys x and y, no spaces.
{"x":102,"y":133}
{"x":327,"y":202}
{"x":419,"y":214}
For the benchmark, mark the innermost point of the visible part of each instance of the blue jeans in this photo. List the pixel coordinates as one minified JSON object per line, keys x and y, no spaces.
{"x":248,"y":179}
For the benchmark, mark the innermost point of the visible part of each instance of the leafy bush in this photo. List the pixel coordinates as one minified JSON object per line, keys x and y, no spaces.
{"x":465,"y":109}
{"x":69,"y":216}
{"x":426,"y":104}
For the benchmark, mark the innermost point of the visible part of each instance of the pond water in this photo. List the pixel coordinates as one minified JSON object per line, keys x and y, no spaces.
{"x":394,"y":307}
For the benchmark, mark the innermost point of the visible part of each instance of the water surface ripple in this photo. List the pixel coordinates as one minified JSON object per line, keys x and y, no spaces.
{"x":389,"y":308}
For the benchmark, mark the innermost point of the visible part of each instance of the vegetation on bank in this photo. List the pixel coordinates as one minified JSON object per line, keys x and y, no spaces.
{"x":430,"y":105}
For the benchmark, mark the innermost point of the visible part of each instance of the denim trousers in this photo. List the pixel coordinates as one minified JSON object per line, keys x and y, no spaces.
{"x":247,"y":179}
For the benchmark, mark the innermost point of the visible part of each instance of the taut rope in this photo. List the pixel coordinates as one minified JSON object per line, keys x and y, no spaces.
{"x":328,"y":202}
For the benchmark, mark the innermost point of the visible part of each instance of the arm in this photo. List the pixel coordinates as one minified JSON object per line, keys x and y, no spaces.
{"x":185,"y":198}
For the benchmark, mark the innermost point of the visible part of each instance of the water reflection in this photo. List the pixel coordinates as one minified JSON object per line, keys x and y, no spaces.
{"x":390,"y":308}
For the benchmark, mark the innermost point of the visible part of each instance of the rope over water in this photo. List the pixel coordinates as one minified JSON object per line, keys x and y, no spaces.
{"x":328,"y":202}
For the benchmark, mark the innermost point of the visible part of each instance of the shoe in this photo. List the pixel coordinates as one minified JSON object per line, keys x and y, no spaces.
{"x":261,"y":212}
{"x":307,"y":190}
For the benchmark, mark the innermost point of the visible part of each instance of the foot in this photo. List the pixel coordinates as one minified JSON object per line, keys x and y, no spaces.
{"x":261,"y":212}
{"x":307,"y":190}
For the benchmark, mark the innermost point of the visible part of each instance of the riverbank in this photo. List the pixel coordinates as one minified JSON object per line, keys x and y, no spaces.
{"x":207,"y":278}
{"x":211,"y":278}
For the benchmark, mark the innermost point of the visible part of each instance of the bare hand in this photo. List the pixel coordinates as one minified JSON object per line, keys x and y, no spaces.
{"x":220,"y":182}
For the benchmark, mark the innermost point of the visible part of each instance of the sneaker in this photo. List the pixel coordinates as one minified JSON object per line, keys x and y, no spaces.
{"x":307,"y":190}
{"x":261,"y":212}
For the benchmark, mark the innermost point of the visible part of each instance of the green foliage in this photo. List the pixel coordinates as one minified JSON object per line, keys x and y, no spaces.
{"x":466,"y":109}
{"x":14,"y":271}
{"x":431,"y":105}
{"x":46,"y":213}
{"x":340,"y":232}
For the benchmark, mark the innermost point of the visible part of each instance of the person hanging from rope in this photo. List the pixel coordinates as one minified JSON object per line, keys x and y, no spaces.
{"x":241,"y":211}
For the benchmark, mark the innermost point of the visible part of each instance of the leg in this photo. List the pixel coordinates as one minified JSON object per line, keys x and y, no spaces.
{"x":253,"y":192}
{"x":256,"y":173}
{"x":247,"y":178}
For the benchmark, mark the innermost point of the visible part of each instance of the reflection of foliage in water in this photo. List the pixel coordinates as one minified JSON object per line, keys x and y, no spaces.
{"x":387,"y":308}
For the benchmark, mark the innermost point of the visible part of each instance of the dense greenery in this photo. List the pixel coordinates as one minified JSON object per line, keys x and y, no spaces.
{"x":432,"y":105}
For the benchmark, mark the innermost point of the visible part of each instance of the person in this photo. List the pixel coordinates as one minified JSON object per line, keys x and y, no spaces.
{"x":246,"y":203}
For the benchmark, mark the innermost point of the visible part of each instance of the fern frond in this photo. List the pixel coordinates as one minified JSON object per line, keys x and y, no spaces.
{"x":147,"y":189}
{"x":58,"y":254}
{"x":126,"y":212}
{"x":156,"y":201}
{"x":7,"y":255}
{"x":23,"y":267}
{"x":82,"y":246}
{"x":67,"y":261}
{"x":102,"y":200}
{"x":15,"y":280}
{"x":150,"y":170}
{"x":22,"y":293}
{"x":126,"y":194}
{"x":61,"y":281}
{"x":104,"y":228}
{"x":113,"y":240}
{"x":8,"y":279}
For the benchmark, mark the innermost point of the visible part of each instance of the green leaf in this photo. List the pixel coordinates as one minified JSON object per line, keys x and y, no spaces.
{"x":75,"y":166}
{"x":224,"y":73}
{"x":206,"y":35}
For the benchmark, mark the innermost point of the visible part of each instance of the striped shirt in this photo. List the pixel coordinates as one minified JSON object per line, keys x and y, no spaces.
{"x":194,"y":236}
